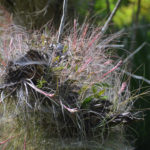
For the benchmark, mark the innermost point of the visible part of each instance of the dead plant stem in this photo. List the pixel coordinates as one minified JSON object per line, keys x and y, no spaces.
{"x":105,"y":27}
{"x":61,"y":27}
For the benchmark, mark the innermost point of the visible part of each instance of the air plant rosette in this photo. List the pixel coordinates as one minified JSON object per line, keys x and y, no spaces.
{"x":62,"y":91}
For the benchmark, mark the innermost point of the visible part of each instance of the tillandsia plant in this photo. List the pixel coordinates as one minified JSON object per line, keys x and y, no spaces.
{"x":55,"y":96}
{"x":62,"y":94}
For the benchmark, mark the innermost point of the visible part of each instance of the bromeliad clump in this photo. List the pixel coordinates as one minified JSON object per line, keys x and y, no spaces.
{"x":64,"y":90}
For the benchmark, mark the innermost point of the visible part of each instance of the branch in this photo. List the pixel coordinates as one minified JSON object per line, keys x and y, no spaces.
{"x":136,"y":76}
{"x":105,"y":27}
{"x":136,"y":51}
{"x":111,"y":46}
{"x":61,"y":27}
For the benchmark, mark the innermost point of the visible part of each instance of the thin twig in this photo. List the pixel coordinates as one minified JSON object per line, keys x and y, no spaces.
{"x":136,"y":76}
{"x":61,"y":27}
{"x":136,"y":51}
{"x":105,"y":27}
{"x":111,"y":37}
{"x":111,"y":46}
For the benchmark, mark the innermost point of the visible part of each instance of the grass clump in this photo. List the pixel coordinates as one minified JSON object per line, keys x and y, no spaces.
{"x":62,"y":95}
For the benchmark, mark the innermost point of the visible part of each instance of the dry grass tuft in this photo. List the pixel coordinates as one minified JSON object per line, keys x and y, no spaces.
{"x":54,"y":92}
